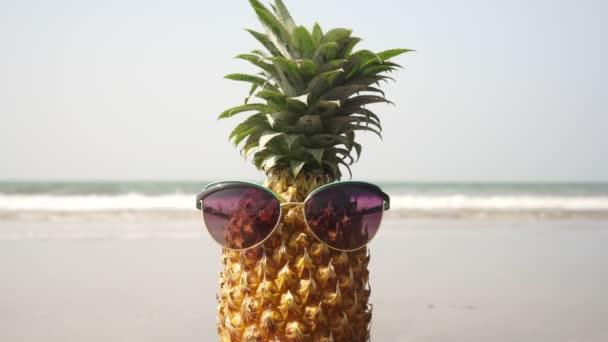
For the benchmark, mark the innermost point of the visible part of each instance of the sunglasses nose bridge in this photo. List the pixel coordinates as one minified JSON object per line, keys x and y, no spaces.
{"x":292,"y":204}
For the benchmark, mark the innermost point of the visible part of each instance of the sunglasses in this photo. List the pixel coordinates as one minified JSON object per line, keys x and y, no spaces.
{"x":343,"y":215}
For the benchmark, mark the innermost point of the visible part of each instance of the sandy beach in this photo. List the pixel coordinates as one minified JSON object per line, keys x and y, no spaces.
{"x":432,"y":280}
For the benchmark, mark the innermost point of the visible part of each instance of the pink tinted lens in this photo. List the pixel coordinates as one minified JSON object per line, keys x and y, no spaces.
{"x":240,"y":217}
{"x":345,"y":217}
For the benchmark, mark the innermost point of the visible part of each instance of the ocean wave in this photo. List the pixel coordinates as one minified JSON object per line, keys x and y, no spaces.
{"x":88,"y":203}
{"x":511,"y":202}
{"x":399,"y":202}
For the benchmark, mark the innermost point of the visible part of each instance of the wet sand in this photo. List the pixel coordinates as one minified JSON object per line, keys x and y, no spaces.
{"x":435,"y":280}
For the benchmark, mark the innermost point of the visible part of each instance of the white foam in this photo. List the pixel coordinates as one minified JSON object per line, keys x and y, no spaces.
{"x":179,"y":202}
{"x":96,"y":202}
{"x":507,"y":203}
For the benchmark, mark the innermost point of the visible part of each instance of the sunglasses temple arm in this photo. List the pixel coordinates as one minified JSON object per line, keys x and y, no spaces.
{"x":386,"y":205}
{"x":386,"y":201}
{"x":199,"y":199}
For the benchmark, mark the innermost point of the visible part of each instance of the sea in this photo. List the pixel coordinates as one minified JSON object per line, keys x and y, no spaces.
{"x":452,"y":261}
{"x":23,"y":200}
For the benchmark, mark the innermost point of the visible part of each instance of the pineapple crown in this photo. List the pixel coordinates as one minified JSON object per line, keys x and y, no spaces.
{"x":310,"y":96}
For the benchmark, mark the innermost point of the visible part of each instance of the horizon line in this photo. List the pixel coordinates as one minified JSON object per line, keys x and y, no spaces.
{"x":402,"y":181}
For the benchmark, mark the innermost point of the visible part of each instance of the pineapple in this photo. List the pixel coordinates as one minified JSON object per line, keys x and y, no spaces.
{"x":305,"y":106}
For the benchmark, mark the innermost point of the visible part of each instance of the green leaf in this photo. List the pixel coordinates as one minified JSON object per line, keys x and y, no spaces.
{"x":272,"y":96}
{"x":264,"y":40}
{"x":316,"y":153}
{"x":368,"y":113}
{"x":287,"y":87}
{"x":367,"y":55}
{"x":366,"y":121}
{"x":388,"y":54}
{"x":271,"y":120}
{"x":367,"y":80}
{"x":296,"y":166}
{"x":348,"y":46}
{"x":288,"y":65}
{"x":309,"y":124}
{"x":267,"y":18}
{"x":339,"y":124}
{"x":259,"y":53}
{"x":321,"y":140}
{"x":284,"y":118}
{"x":271,"y":161}
{"x":343,"y":92}
{"x":302,"y":99}
{"x":326,"y":108}
{"x":367,"y":129}
{"x":277,"y":33}
{"x":242,"y":135}
{"x":332,"y":65}
{"x":350,"y":173}
{"x":308,"y":69}
{"x":358,"y":148}
{"x":252,"y":90}
{"x":304,"y":42}
{"x":326,"y":52}
{"x":246,"y":78}
{"x":364,"y":100}
{"x":252,"y":143}
{"x":258,"y":156}
{"x":331,"y":76}
{"x":257,"y":61}
{"x":290,"y":75}
{"x":242,"y":127}
{"x":284,"y":15}
{"x":253,"y":125}
{"x":243,"y":108}
{"x":362,"y":58}
{"x":258,"y":6}
{"x":350,"y":137}
{"x":394,"y":65}
{"x":376,"y":69}
{"x":317,"y":87}
{"x":345,"y":154}
{"x":291,"y":138}
{"x":317,"y":34}
{"x":375,"y":90}
{"x":267,"y":137}
{"x":336,"y":35}
{"x":333,"y":170}
{"x":297,"y":106}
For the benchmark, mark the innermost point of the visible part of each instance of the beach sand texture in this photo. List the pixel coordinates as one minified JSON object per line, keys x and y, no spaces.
{"x":432,"y":280}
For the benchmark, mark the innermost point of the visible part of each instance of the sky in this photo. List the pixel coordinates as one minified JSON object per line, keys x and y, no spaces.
{"x":131,"y":89}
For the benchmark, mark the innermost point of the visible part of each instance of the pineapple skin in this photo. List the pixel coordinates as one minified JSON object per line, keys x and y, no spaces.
{"x":294,"y":287}
{"x":307,"y":102}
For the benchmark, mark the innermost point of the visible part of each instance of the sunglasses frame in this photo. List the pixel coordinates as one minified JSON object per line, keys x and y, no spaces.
{"x":222,"y":185}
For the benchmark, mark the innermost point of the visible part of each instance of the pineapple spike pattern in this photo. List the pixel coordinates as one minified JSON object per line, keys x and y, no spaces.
{"x":305,"y":106}
{"x":294,"y":287}
{"x":309,"y":97}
